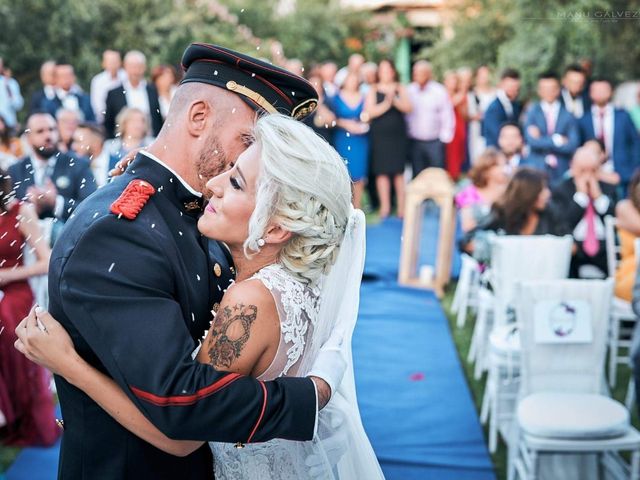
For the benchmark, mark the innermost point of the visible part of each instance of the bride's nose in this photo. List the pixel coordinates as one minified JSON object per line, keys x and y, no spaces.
{"x":214,"y":187}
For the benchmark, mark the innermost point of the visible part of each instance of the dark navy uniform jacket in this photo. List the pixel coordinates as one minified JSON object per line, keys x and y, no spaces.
{"x":135,"y":296}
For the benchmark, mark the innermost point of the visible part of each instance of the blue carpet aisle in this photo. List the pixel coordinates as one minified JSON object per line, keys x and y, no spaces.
{"x":415,"y":403}
{"x":36,"y":463}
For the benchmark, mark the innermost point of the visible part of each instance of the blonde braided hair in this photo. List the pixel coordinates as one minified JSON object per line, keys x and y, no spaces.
{"x":303,"y":186}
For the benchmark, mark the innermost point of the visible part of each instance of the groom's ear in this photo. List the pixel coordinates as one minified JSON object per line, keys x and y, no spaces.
{"x":277,"y":235}
{"x":198,"y":116}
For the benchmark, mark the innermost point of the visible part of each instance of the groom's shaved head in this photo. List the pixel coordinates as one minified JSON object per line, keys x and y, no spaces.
{"x":212,"y":124}
{"x":193,"y":91}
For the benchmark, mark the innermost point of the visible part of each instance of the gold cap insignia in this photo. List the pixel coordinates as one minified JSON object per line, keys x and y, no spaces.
{"x":304,"y":109}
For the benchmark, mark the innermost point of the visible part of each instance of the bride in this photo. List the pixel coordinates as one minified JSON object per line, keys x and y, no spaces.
{"x":284,"y":210}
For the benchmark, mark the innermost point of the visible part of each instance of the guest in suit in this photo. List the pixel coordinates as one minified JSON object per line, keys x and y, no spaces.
{"x":505,"y":108}
{"x":88,"y":142}
{"x":68,"y":95}
{"x":551,"y":132}
{"x":574,"y":96}
{"x":523,"y":209}
{"x":41,"y":97}
{"x":613,"y":126}
{"x":583,"y":201}
{"x":54,"y":182}
{"x":511,"y":144}
{"x":134,"y":92}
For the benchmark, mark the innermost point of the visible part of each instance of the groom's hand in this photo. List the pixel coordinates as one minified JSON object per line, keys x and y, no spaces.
{"x":324,"y":391}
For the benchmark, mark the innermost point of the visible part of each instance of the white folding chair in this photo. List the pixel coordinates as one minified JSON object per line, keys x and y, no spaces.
{"x":561,"y":408}
{"x":465,"y":296}
{"x":622,"y":317}
{"x":513,"y":259}
{"x":630,"y":397}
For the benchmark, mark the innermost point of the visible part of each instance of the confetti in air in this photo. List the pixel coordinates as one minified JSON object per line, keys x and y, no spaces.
{"x":111,"y":267}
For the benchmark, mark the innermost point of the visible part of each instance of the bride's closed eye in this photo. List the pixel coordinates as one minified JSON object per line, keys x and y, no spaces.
{"x":234,"y":183}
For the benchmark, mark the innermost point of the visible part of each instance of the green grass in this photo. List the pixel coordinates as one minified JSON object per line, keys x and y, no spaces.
{"x":7,"y":456}
{"x":462,"y":339}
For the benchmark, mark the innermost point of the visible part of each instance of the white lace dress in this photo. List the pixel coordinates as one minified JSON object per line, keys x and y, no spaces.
{"x":298,"y":308}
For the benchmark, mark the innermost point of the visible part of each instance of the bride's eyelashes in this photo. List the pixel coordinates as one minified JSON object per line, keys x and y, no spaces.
{"x":234,"y":183}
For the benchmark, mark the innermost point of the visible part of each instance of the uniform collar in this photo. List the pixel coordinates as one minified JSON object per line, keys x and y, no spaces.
{"x":166,"y":181}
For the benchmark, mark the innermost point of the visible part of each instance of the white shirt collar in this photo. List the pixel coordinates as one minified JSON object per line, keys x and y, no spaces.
{"x":156,"y":159}
{"x":595,"y":110}
{"x":127,"y":85}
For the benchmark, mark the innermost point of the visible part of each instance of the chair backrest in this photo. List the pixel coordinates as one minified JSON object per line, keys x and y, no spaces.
{"x":610,"y":245}
{"x":517,"y":258}
{"x":563,"y":333}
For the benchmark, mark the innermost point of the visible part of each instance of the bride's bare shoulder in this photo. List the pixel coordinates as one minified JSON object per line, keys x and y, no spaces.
{"x":245,"y":326}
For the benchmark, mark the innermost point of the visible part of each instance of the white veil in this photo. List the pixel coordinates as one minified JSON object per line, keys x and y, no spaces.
{"x":341,"y":441}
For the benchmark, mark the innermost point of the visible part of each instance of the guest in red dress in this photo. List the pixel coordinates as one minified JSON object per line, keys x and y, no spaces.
{"x":456,"y":150}
{"x":26,"y":403}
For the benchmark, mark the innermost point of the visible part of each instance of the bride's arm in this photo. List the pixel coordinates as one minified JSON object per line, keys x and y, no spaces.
{"x":54,"y":350}
{"x":112,"y":399}
{"x":245,"y":332}
{"x":243,"y":338}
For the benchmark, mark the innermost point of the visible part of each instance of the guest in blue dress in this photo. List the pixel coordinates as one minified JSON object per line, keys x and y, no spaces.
{"x":351,"y":138}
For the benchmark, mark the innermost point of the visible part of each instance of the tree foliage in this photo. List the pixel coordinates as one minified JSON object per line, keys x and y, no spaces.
{"x":33,"y":31}
{"x":540,"y":35}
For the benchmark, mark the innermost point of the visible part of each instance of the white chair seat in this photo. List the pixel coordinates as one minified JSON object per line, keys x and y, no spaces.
{"x":572,"y":416}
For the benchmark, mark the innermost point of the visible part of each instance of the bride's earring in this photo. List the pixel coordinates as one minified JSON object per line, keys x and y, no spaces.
{"x":261,"y":242}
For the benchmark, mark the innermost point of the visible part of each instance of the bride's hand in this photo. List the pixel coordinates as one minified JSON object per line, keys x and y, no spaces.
{"x":123,"y":163}
{"x":44,"y":341}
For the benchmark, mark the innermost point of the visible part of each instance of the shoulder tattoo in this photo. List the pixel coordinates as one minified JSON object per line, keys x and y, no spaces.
{"x":231,"y":330}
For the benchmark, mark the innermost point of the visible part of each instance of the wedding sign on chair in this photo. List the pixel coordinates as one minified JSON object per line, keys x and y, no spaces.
{"x":513,"y":259}
{"x":561,"y":408}
{"x":623,"y":318}
{"x":436,"y":185}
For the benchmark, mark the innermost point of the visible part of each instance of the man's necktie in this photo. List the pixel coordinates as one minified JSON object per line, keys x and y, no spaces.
{"x":591,"y":245}
{"x":551,"y":159}
{"x":601,"y":132}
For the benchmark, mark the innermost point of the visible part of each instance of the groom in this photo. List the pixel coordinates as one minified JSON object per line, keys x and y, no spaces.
{"x":131,"y":280}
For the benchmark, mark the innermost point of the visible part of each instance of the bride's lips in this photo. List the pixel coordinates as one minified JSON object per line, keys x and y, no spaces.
{"x":209,"y":208}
